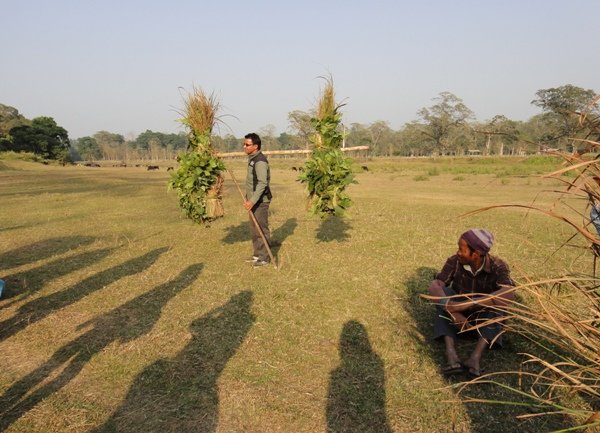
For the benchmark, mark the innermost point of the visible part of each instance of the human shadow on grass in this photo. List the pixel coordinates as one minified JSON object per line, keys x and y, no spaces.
{"x":181,"y":394}
{"x":281,"y":233}
{"x":22,"y":285}
{"x":356,"y":395}
{"x":485,"y":418}
{"x":123,"y":324}
{"x":239,"y":233}
{"x":42,"y":250}
{"x":41,"y":307}
{"x":333,"y":228}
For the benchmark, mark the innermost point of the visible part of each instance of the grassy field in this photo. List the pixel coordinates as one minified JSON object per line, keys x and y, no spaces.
{"x":121,"y":316}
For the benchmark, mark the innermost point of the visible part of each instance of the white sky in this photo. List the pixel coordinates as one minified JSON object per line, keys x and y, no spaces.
{"x":118,"y":65}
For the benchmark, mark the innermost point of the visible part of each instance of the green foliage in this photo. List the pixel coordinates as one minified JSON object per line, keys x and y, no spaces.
{"x":327,"y":174}
{"x":173,"y":141}
{"x":328,"y":135}
{"x":196,"y":175}
{"x":43,"y":137}
{"x":88,"y":148}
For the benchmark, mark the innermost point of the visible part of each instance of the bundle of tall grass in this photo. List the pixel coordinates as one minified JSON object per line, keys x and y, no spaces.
{"x":560,"y":317}
{"x":327,"y":173}
{"x":199,"y":180}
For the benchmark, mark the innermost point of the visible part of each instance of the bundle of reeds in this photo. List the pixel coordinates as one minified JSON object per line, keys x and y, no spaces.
{"x":560,"y":316}
{"x":198,"y":180}
{"x":327,"y":173}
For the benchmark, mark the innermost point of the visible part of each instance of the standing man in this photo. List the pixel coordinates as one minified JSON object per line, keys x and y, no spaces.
{"x":258,"y":197}
{"x":485,"y":282}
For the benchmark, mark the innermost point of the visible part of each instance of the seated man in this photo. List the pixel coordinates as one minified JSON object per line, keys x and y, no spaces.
{"x":470,"y":287}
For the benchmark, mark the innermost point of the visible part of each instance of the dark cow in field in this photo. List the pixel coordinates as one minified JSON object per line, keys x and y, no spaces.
{"x":169,"y":168}
{"x":152,"y":167}
{"x":91,"y":164}
{"x":364,"y":168}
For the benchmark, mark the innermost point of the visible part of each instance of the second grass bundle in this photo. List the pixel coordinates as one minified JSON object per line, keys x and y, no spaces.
{"x":327,"y":173}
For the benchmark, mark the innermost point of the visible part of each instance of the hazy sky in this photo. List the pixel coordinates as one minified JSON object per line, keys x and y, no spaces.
{"x":119,"y":65}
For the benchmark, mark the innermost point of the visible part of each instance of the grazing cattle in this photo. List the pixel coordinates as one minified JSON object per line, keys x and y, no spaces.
{"x":294,"y":169}
{"x":301,"y":169}
{"x":169,"y":168}
{"x":91,"y":164}
{"x":364,"y":167}
{"x":152,"y":167}
{"x":138,"y":165}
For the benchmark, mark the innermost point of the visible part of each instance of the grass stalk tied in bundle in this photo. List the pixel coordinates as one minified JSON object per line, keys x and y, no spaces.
{"x":199,"y":180}
{"x":560,"y":317}
{"x":327,"y":173}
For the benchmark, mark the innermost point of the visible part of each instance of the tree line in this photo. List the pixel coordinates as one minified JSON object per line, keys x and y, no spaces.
{"x":446,"y":127}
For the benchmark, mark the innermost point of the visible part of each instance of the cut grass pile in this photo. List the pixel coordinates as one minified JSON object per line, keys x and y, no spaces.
{"x":121,"y":315}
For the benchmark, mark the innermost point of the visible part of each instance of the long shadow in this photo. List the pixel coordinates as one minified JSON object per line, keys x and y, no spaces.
{"x":280,"y":234}
{"x":239,"y":233}
{"x":181,"y":394}
{"x":485,"y":418}
{"x":333,"y":228}
{"x":42,"y":250}
{"x":356,"y":396}
{"x":40,"y":308}
{"x":122,"y":324}
{"x":24,"y":284}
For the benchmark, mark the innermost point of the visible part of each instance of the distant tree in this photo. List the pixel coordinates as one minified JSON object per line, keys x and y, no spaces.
{"x":381,"y":137}
{"x":9,"y":119}
{"x":286,"y":141}
{"x":43,"y":137}
{"x":110,"y":144}
{"x":171,"y":141}
{"x":267,"y":137}
{"x":498,"y":133}
{"x":300,"y":126}
{"x":88,"y":148}
{"x":358,"y":135}
{"x":228,"y":143}
{"x":562,"y":106}
{"x":448,"y":114}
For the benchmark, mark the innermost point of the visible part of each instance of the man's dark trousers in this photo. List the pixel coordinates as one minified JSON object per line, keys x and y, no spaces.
{"x":261,"y":213}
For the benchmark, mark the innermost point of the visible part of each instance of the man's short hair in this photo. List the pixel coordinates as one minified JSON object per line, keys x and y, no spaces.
{"x":255,"y":139}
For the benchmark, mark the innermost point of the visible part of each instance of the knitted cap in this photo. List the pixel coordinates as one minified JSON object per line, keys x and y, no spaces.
{"x":479,"y":239}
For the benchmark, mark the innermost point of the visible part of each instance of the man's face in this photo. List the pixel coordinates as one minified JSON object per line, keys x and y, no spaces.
{"x":249,"y":147}
{"x":465,"y":256}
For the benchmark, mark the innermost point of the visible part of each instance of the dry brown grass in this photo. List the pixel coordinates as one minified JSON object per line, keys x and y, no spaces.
{"x":131,"y":317}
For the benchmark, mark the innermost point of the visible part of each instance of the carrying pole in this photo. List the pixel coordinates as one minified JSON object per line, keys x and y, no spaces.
{"x":253,"y":218}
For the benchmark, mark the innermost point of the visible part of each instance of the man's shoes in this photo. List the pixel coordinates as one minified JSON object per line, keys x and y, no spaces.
{"x":252,"y":259}
{"x":260,"y":263}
